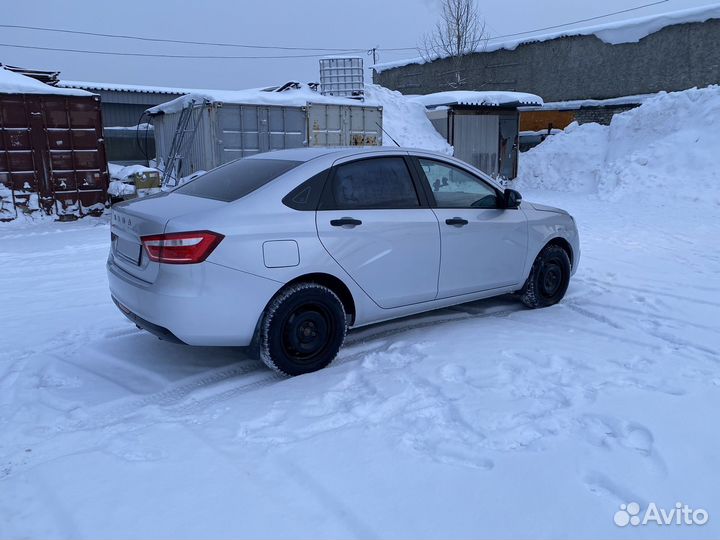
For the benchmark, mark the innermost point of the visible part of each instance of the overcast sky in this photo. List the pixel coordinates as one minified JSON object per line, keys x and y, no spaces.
{"x":293,"y":23}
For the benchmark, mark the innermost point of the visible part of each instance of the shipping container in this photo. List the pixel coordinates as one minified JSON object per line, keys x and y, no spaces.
{"x":52,"y":155}
{"x":205,"y":135}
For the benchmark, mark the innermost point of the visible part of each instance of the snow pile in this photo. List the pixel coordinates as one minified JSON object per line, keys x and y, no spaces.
{"x":613,"y":33}
{"x":405,"y":121}
{"x":14,"y":83}
{"x":123,"y":173}
{"x":120,"y":189}
{"x":122,"y":181}
{"x":662,"y":148}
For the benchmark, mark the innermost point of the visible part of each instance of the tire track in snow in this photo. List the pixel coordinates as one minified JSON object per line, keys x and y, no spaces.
{"x":113,"y":419}
{"x":652,"y":292}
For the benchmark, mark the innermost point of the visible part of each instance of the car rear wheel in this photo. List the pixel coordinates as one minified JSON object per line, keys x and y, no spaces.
{"x":549,"y":278}
{"x":302,"y":329}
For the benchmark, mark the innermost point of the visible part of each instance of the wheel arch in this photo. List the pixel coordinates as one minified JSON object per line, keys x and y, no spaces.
{"x":333,"y":283}
{"x":564,"y":244}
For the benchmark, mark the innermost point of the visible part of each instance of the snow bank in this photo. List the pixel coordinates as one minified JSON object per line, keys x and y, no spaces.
{"x":614,"y":33}
{"x":664,"y":148}
{"x":14,"y":83}
{"x":406,"y":122}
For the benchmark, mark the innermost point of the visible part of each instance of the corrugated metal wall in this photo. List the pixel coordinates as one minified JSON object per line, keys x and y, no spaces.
{"x":475,"y":139}
{"x":226,"y":132}
{"x":52,"y":155}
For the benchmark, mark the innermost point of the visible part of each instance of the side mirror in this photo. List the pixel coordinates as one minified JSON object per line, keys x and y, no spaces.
{"x":512,"y":198}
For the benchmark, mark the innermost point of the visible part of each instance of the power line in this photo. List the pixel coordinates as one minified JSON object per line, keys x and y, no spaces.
{"x":582,"y":20}
{"x":265,"y":47}
{"x":549,"y":27}
{"x":163,"y":40}
{"x":152,"y":55}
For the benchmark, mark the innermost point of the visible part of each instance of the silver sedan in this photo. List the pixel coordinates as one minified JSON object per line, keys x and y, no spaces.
{"x":284,"y":251}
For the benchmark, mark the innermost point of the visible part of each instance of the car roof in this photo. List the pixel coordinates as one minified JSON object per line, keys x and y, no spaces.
{"x":332,"y":154}
{"x":307,"y":154}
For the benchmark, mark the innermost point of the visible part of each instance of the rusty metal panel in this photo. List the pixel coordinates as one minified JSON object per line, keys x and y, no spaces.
{"x":52,"y":155}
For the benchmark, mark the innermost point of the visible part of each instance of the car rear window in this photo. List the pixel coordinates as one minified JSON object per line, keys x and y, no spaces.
{"x":236,"y":179}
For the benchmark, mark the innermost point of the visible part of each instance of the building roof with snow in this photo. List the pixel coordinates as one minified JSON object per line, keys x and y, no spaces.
{"x":614,"y":33}
{"x":296,"y":95}
{"x":15,"y":83}
{"x":669,"y":52}
{"x":479,"y":99}
{"x":135,"y":88}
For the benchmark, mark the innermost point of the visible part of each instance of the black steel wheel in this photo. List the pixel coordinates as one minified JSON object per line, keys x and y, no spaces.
{"x":303,"y":329}
{"x":549,"y":278}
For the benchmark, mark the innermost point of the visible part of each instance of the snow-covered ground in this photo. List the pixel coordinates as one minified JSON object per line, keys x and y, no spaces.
{"x":483,"y":420}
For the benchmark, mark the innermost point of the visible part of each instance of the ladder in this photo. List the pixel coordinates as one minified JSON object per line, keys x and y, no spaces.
{"x":182,"y":142}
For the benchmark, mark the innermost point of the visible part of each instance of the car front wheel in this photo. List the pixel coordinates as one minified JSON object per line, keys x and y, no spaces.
{"x":549,"y":278}
{"x":302,"y":329}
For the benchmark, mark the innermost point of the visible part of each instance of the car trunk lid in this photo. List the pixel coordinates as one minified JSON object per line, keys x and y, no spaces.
{"x":134,"y":219}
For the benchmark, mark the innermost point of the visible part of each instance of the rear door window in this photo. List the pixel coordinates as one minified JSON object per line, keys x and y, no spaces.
{"x":375,"y":183}
{"x":236,"y":179}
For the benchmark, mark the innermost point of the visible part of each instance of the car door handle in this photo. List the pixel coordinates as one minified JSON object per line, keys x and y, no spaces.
{"x":345,"y":221}
{"x":459,"y":222}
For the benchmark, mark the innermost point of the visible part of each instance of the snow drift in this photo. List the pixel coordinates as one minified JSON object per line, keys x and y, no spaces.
{"x":661,"y":149}
{"x":405,"y":121}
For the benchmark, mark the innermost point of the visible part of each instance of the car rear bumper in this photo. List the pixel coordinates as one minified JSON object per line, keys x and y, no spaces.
{"x":201,"y":304}
{"x":154,"y":329}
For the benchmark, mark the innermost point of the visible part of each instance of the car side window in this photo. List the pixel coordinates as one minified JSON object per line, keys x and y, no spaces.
{"x":307,"y":195}
{"x":374,"y":183}
{"x":454,"y":188}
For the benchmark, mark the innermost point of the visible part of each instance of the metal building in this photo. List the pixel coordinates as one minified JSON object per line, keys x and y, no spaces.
{"x":124,"y":119}
{"x":201,"y":131}
{"x":482,"y":127}
{"x":662,"y":52}
{"x":52,"y":151}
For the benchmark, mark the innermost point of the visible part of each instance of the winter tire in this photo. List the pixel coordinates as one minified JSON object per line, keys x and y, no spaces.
{"x":302,"y":329}
{"x":549,"y":278}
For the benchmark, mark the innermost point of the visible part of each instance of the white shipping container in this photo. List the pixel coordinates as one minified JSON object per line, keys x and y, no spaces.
{"x":218,"y":133}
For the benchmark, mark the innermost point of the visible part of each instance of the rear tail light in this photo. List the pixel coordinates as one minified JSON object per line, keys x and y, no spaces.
{"x":181,"y":248}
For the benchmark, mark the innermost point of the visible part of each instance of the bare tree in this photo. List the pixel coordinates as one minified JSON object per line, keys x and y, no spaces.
{"x":460,"y":31}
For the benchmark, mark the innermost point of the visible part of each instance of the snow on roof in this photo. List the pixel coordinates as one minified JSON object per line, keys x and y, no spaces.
{"x":293,"y":97}
{"x":14,"y":83}
{"x":625,"y":31}
{"x":636,"y":99}
{"x":87,"y":85}
{"x":486,"y":99}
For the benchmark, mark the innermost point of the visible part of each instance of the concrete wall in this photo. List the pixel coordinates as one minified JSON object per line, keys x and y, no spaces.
{"x":579,"y":67}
